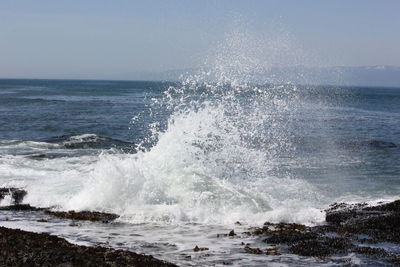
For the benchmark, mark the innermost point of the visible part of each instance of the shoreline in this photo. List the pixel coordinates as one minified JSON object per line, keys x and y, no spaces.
{"x":23,"y":248}
{"x":359,"y":228}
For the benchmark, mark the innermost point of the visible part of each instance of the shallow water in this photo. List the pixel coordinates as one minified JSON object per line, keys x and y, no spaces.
{"x":175,"y":243}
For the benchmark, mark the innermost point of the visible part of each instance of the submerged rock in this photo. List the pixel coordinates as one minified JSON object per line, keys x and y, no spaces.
{"x":21,"y":248}
{"x":381,"y":144}
{"x":378,"y":144}
{"x":46,"y":156}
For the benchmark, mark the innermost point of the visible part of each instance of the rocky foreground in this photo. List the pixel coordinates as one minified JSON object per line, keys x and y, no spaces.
{"x":356,"y":228}
{"x":350,"y":228}
{"x":21,"y":248}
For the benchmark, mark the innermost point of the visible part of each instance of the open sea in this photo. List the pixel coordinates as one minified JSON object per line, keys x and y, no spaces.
{"x":182,"y":162}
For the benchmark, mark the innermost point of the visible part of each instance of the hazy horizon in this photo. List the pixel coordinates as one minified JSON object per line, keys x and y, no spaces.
{"x":130,"y":40}
{"x":370,"y":76}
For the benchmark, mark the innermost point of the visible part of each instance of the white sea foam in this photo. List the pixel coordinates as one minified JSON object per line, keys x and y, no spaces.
{"x":221,"y":156}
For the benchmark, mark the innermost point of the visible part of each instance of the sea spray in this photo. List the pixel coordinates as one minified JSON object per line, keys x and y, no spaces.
{"x":222,"y":154}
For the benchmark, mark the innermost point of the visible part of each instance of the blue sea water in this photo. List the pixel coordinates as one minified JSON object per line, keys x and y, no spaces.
{"x":177,"y":158}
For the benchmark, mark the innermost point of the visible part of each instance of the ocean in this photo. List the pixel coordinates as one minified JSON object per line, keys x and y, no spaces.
{"x":184,"y":161}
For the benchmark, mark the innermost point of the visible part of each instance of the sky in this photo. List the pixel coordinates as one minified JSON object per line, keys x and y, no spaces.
{"x":123,"y":39}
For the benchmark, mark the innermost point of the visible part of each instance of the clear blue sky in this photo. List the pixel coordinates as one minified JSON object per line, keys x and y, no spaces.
{"x":107,"y":39}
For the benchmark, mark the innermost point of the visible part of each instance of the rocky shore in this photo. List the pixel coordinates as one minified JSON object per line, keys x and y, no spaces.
{"x":350,"y":228}
{"x":21,"y":248}
{"x":359,"y":229}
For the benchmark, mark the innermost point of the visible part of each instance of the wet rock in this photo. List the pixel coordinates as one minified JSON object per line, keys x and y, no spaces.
{"x":2,"y":194}
{"x":94,"y":216}
{"x":378,"y":253}
{"x":197,"y":249}
{"x":279,"y":228}
{"x":348,"y":227}
{"x":290,"y":238}
{"x":42,"y":156}
{"x":21,"y":248}
{"x":17,"y":194}
{"x":321,"y":247}
{"x":372,"y":251}
{"x":381,"y":222}
{"x":84,"y":215}
{"x":21,"y":207}
{"x":340,"y":212}
{"x":188,"y":257}
{"x":272,"y":251}
{"x":250,"y":250}
{"x":392,"y":206}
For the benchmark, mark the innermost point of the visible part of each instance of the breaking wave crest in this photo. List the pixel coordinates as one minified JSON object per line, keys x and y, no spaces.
{"x":226,"y":152}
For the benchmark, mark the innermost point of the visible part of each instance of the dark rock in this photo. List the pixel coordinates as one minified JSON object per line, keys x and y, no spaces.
{"x":381,"y":144}
{"x":21,"y":207}
{"x":290,"y":238}
{"x":16,"y":194}
{"x":2,"y":194}
{"x":250,"y":250}
{"x":280,"y":228}
{"x":381,"y":222}
{"x":378,"y":144}
{"x":311,"y":248}
{"x":371,"y":251}
{"x":321,"y":247}
{"x":272,"y":251}
{"x":392,"y":206}
{"x":379,"y":253}
{"x":231,"y":233}
{"x":21,"y":248}
{"x":348,"y":226}
{"x":84,"y":215}
{"x":197,"y":249}
{"x":41,"y":156}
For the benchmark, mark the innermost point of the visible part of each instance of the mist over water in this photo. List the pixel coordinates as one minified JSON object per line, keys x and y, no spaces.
{"x":230,"y":148}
